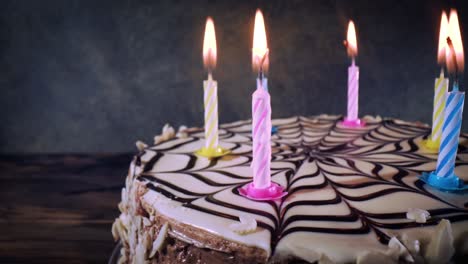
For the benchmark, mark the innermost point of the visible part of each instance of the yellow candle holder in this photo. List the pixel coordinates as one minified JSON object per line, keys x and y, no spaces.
{"x":430,"y":145}
{"x":211,"y":153}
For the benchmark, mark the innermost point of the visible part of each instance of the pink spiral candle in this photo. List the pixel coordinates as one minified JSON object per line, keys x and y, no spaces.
{"x":261,"y":136}
{"x":261,"y":188}
{"x":353,"y":91}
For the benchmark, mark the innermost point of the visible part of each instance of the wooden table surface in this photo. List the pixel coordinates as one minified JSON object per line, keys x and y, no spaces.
{"x":59,"y":208}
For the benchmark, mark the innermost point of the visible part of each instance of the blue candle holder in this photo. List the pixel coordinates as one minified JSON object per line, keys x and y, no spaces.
{"x":451,"y":183}
{"x":274,"y":130}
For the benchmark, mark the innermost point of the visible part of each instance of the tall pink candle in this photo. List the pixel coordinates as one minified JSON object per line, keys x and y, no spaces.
{"x":261,"y":136}
{"x":261,"y":188}
{"x":353,"y":91}
{"x":353,"y":74}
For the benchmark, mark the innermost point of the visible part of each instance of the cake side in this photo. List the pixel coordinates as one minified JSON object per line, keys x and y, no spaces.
{"x":141,"y":224}
{"x":339,"y":183}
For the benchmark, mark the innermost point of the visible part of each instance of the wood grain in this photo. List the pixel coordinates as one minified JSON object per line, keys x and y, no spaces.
{"x":59,"y":208}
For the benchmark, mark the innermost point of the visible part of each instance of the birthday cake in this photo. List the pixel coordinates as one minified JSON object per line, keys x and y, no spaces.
{"x":353,"y":195}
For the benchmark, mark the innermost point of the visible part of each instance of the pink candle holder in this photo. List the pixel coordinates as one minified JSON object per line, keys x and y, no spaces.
{"x":274,"y":192}
{"x":353,"y":123}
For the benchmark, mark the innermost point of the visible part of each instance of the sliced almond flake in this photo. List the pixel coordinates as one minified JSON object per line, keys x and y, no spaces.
{"x":123,"y":258}
{"x":182,"y":132}
{"x":140,"y":253}
{"x":324,"y":259}
{"x":146,"y":221}
{"x":159,"y":241}
{"x":119,"y":231}
{"x":123,"y":194}
{"x":418,"y":215}
{"x":141,"y":145}
{"x":440,"y":248}
{"x":168,"y":132}
{"x":413,"y":245}
{"x":372,"y":257}
{"x":397,"y":250}
{"x":124,"y":220}
{"x":247,"y":225}
{"x":370,"y":118}
{"x":115,"y":232}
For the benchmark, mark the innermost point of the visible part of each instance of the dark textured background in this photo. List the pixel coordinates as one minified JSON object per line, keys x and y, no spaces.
{"x":94,"y":76}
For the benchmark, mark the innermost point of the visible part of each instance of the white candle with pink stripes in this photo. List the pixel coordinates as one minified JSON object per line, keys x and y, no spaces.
{"x":261,"y":188}
{"x":352,"y":118}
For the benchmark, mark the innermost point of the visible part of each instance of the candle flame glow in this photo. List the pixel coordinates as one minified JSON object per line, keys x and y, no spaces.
{"x":260,"y":51}
{"x":209,"y":45}
{"x":351,"y":42}
{"x":443,"y":34}
{"x":454,"y":54}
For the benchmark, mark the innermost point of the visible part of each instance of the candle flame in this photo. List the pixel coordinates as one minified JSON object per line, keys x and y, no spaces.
{"x":443,"y":34}
{"x":351,"y":42}
{"x":454,"y":52}
{"x":209,"y":45}
{"x":260,"y":51}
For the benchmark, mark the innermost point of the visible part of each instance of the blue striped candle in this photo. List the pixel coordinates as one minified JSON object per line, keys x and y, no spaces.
{"x":450,"y":133}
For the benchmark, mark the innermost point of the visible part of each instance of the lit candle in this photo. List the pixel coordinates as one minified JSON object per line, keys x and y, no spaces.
{"x":444,"y":177}
{"x":440,"y":89}
{"x":261,"y":108}
{"x":454,"y":106}
{"x":210,"y":95}
{"x":261,"y":188}
{"x":352,"y":119}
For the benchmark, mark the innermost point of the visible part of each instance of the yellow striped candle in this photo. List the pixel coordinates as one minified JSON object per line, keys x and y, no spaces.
{"x":210,"y":88}
{"x":210,"y":96}
{"x":440,"y":92}
{"x":440,"y":89}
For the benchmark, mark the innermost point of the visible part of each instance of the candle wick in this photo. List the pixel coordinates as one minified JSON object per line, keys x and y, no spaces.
{"x":262,"y":61}
{"x":260,"y":70}
{"x":454,"y":56}
{"x":442,"y":72}
{"x":350,"y":53}
{"x":210,"y":76}
{"x":455,"y":85}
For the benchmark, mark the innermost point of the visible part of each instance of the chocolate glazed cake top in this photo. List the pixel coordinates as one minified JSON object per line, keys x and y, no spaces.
{"x":348,"y":189}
